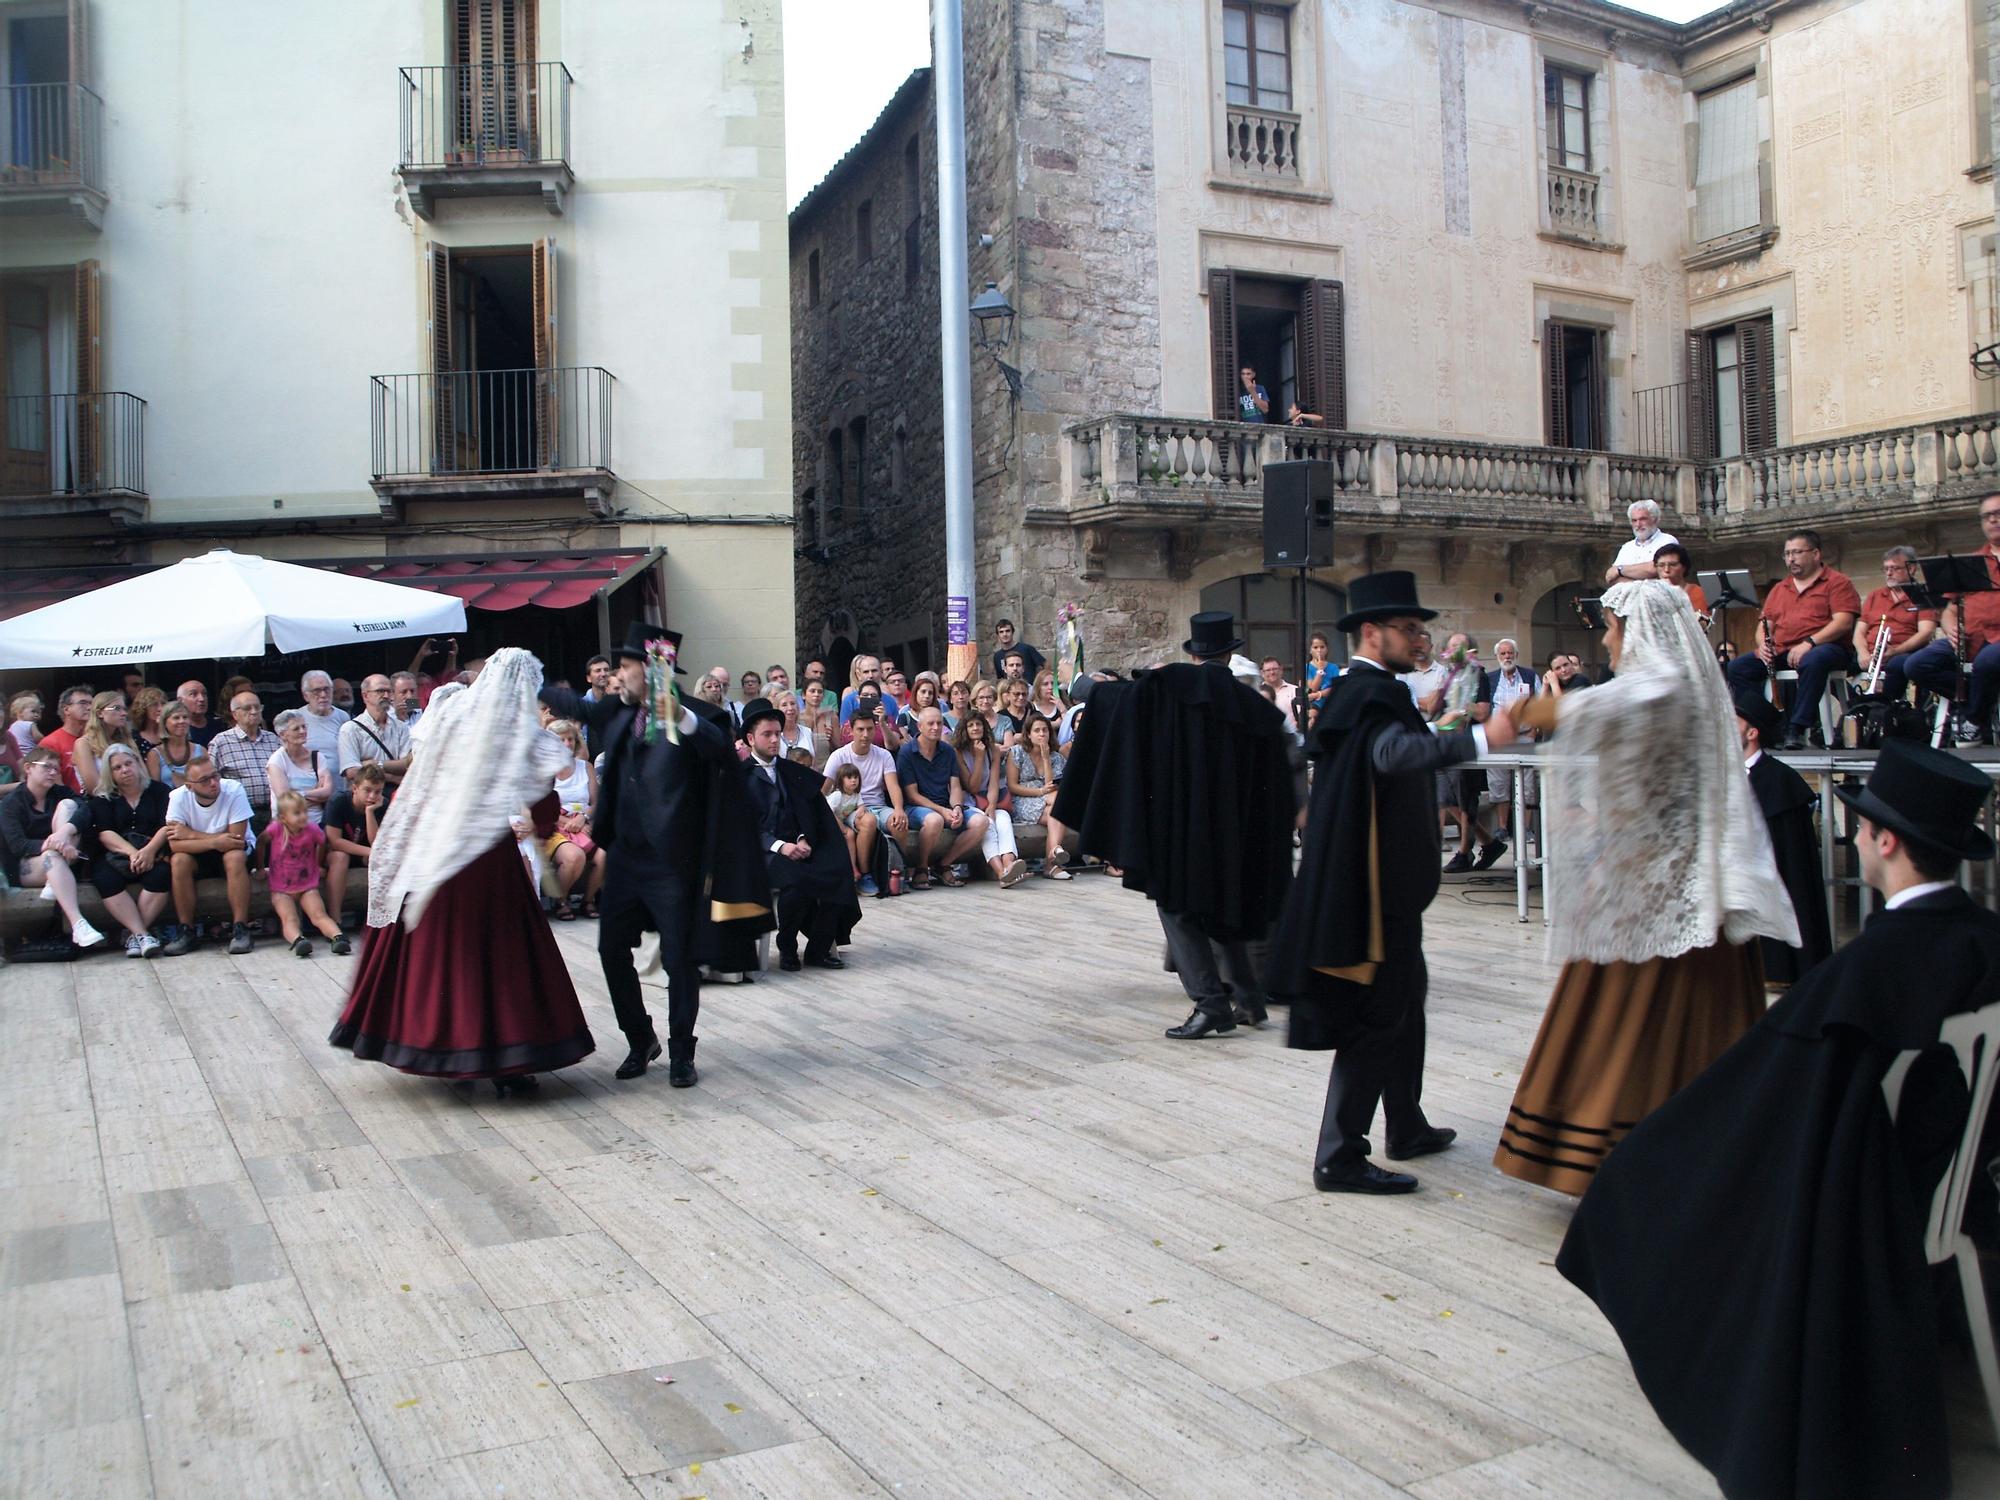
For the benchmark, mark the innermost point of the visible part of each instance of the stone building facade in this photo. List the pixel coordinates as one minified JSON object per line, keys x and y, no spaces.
{"x":1530,"y":263}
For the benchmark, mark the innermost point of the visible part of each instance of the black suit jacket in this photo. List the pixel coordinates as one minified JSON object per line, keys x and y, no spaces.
{"x":795,"y":809}
{"x":675,"y":810}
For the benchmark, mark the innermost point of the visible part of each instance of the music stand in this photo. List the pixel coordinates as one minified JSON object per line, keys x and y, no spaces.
{"x":1953,"y":575}
{"x":1724,"y":587}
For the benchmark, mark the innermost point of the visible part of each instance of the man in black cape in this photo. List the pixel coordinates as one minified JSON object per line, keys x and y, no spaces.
{"x":1757,"y":1241}
{"x":1349,"y":949}
{"x":804,"y":851}
{"x":1180,"y":780}
{"x":683,"y":857}
{"x":1789,"y":804}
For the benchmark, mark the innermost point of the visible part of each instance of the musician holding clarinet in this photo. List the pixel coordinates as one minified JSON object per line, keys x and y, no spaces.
{"x":1975,"y":639}
{"x":1807,"y":620}
{"x":1892,"y":629}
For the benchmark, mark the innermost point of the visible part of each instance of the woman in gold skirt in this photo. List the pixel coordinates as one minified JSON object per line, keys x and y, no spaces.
{"x":1660,"y":879}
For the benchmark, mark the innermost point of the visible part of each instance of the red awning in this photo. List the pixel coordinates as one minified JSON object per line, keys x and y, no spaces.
{"x":497,"y":581}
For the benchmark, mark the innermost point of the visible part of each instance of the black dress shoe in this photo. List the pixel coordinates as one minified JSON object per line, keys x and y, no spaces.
{"x":826,"y":961}
{"x":681,"y":1073}
{"x":636,"y":1060}
{"x":1199,"y":1025}
{"x":1363,"y":1178}
{"x":1424,"y":1143}
{"x":1793,"y":740}
{"x":789,"y":962}
{"x":1251,"y":1016}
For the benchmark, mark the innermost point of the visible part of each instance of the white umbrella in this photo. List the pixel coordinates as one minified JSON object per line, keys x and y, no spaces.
{"x":222,"y":604}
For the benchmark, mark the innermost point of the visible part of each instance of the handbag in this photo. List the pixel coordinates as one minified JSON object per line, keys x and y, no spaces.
{"x":1881,"y":719}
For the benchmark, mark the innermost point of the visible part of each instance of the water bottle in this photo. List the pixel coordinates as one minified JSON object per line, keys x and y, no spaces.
{"x":895,"y":880}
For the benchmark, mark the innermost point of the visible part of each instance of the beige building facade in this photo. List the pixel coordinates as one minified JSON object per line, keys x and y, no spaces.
{"x":486,"y":286}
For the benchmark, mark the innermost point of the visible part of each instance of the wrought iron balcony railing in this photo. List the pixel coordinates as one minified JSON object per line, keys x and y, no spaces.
{"x":486,"y":115}
{"x":491,"y":422}
{"x":73,"y":444}
{"x":51,"y":136}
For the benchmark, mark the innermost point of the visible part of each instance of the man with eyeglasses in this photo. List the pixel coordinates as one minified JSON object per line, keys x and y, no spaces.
{"x":1975,"y":620}
{"x":378,"y":737}
{"x":1349,"y":947}
{"x":1807,"y":627}
{"x":208,"y":834}
{"x":323,"y":720}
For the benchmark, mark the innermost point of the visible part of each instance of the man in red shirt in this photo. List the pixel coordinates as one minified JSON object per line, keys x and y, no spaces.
{"x":1910,"y":628}
{"x":1808,"y":628}
{"x":1935,"y":667}
{"x":74,"y":706}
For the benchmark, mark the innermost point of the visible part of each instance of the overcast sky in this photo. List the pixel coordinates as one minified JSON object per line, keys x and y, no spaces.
{"x":844,"y":58}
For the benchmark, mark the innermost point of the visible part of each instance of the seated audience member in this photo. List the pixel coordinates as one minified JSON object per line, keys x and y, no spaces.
{"x":1044,"y":700}
{"x":570,"y":850}
{"x":143,"y":713}
{"x":323,"y":720}
{"x":1014,"y":664}
{"x":814,"y":670}
{"x":811,"y":874}
{"x":1034,"y":767}
{"x":1671,"y":564}
{"x":109,"y":724}
{"x":351,"y":820}
{"x":292,"y":849}
{"x":1807,"y":626}
{"x":1974,"y":623}
{"x":895,"y":689}
{"x":243,"y":753}
{"x":869,"y":702}
{"x":73,"y":706}
{"x":195,"y":695}
{"x":297,"y":767}
{"x":377,"y":736}
{"x":127,"y":838}
{"x":1015,"y":712}
{"x":881,"y":790}
{"x":981,"y":773}
{"x":845,"y":800}
{"x":208,"y":832}
{"x":775,"y":677}
{"x":1032,"y":660}
{"x":38,"y":852}
{"x":751,"y":685}
{"x":169,"y":761}
{"x":405,"y":695}
{"x":923,"y":695}
{"x":986,"y":701}
{"x":1635,"y":558}
{"x":793,"y":734}
{"x":131,"y":682}
{"x":816,"y":714}
{"x":231,"y":686}
{"x":713,"y":691}
{"x":928,"y":769}
{"x":863,"y":671}
{"x":957,"y":702}
{"x":24,"y":717}
{"x":1565,"y":674}
{"x":1910,"y":628}
{"x":556,"y":700}
{"x":343,"y":696}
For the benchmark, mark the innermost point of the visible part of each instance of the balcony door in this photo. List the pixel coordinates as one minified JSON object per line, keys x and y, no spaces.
{"x":25,"y":462}
{"x":50,"y":436}
{"x":1292,"y":333}
{"x":1573,"y":364}
{"x":493,"y":81}
{"x":495,"y":408}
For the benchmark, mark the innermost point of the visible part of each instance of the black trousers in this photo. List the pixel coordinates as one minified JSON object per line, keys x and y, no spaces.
{"x":1195,"y":955}
{"x":1384,"y":1063}
{"x":799,"y":910}
{"x":629,"y":906}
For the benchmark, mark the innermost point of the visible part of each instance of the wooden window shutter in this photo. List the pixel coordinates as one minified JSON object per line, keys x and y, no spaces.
{"x":1222,"y":341}
{"x":1323,"y":352}
{"x":444,"y":388}
{"x":79,"y":79}
{"x":1755,"y":355}
{"x":1700,"y":396}
{"x":548,"y":412}
{"x":1554,"y":370}
{"x":89,"y":377}
{"x":528,"y":75}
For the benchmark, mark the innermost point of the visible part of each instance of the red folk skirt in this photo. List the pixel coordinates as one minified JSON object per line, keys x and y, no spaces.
{"x":478,"y":989}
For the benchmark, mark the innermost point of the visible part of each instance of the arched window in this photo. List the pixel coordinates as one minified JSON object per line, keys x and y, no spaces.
{"x":1557,"y":627}
{"x":1266,"y":606}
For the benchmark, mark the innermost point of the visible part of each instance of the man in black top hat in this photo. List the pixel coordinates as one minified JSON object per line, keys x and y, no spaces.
{"x":1789,"y":805}
{"x":1780,"y":1317}
{"x":811,"y":878}
{"x":1349,"y":949}
{"x":1181,"y":781}
{"x":683,"y":855}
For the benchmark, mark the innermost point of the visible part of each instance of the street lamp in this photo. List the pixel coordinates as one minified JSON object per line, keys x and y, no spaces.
{"x":994,"y":316}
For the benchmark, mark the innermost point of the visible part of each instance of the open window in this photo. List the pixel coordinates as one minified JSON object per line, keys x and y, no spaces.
{"x":44,"y":71}
{"x":495,"y":103}
{"x":1574,"y":370}
{"x":1732,"y":390}
{"x":494,"y":359}
{"x":1292,"y":333}
{"x":51,"y":402}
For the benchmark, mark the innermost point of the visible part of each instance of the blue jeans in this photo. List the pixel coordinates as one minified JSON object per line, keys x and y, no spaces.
{"x":1935,"y":668}
{"x":1838,"y":656}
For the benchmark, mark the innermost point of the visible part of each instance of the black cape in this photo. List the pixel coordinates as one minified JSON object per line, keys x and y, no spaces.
{"x":1182,"y":780}
{"x":1789,"y":804}
{"x":803,"y":812}
{"x":1757,"y":1241}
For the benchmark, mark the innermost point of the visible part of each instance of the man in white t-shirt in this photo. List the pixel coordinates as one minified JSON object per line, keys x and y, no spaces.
{"x":1426,"y":683}
{"x":323,"y":720}
{"x":1635,"y":558}
{"x":881,"y":795}
{"x":208,"y":834}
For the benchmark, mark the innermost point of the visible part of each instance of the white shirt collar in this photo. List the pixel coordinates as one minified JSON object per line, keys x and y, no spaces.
{"x":1751,"y":760}
{"x":1356,"y":659}
{"x":1910,"y":893}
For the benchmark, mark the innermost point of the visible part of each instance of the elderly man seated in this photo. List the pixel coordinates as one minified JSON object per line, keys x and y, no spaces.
{"x":208,"y":832}
{"x":938,"y":805}
{"x":323,"y":720}
{"x":378,"y":737}
{"x":243,"y":753}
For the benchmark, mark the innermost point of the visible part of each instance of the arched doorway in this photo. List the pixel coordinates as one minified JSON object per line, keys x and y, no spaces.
{"x":1557,"y":627}
{"x":1266,"y":606}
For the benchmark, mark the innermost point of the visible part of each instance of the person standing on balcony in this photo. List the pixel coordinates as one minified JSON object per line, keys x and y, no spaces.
{"x":1635,"y":558}
{"x":1975,"y":618}
{"x":1253,"y":402}
{"x":1807,"y":627}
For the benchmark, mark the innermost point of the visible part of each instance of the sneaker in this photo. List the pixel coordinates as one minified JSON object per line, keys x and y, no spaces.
{"x":132,"y":945}
{"x":868,"y":887}
{"x":1459,"y":863}
{"x":241,"y":940}
{"x":341,"y":946}
{"x":1489,"y":855}
{"x":148,"y":945}
{"x":180,"y":941}
{"x":84,"y":935}
{"x":301,"y":945}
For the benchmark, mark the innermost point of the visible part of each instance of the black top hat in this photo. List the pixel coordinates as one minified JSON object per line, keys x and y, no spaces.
{"x":1212,"y":633}
{"x":1382,"y":596}
{"x":639,"y":633}
{"x":1926,"y":795}
{"x":759,"y":708}
{"x":1760,"y":713}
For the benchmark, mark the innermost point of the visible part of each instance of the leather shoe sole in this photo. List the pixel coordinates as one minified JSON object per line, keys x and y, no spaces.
{"x":1436,"y":1139}
{"x":636,"y":1062}
{"x":1200,"y":1024}
{"x":1367,"y":1178}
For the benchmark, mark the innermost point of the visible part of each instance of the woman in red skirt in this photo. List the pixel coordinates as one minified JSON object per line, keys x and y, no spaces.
{"x":461,"y":977}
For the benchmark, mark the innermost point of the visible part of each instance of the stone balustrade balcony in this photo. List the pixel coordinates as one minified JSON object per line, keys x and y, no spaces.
{"x":1262,"y":143}
{"x":1573,"y":203}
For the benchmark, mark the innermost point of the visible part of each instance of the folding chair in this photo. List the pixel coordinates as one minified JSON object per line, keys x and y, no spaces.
{"x":1974,"y":1036}
{"x":1832,"y":703}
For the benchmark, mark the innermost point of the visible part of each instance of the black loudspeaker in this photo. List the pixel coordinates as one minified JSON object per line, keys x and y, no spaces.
{"x":1298,"y":513}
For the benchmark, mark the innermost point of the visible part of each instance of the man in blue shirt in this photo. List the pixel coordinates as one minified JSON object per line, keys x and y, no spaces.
{"x":928,"y":769}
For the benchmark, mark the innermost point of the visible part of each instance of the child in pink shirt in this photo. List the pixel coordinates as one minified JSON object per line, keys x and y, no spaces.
{"x":294,"y":850}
